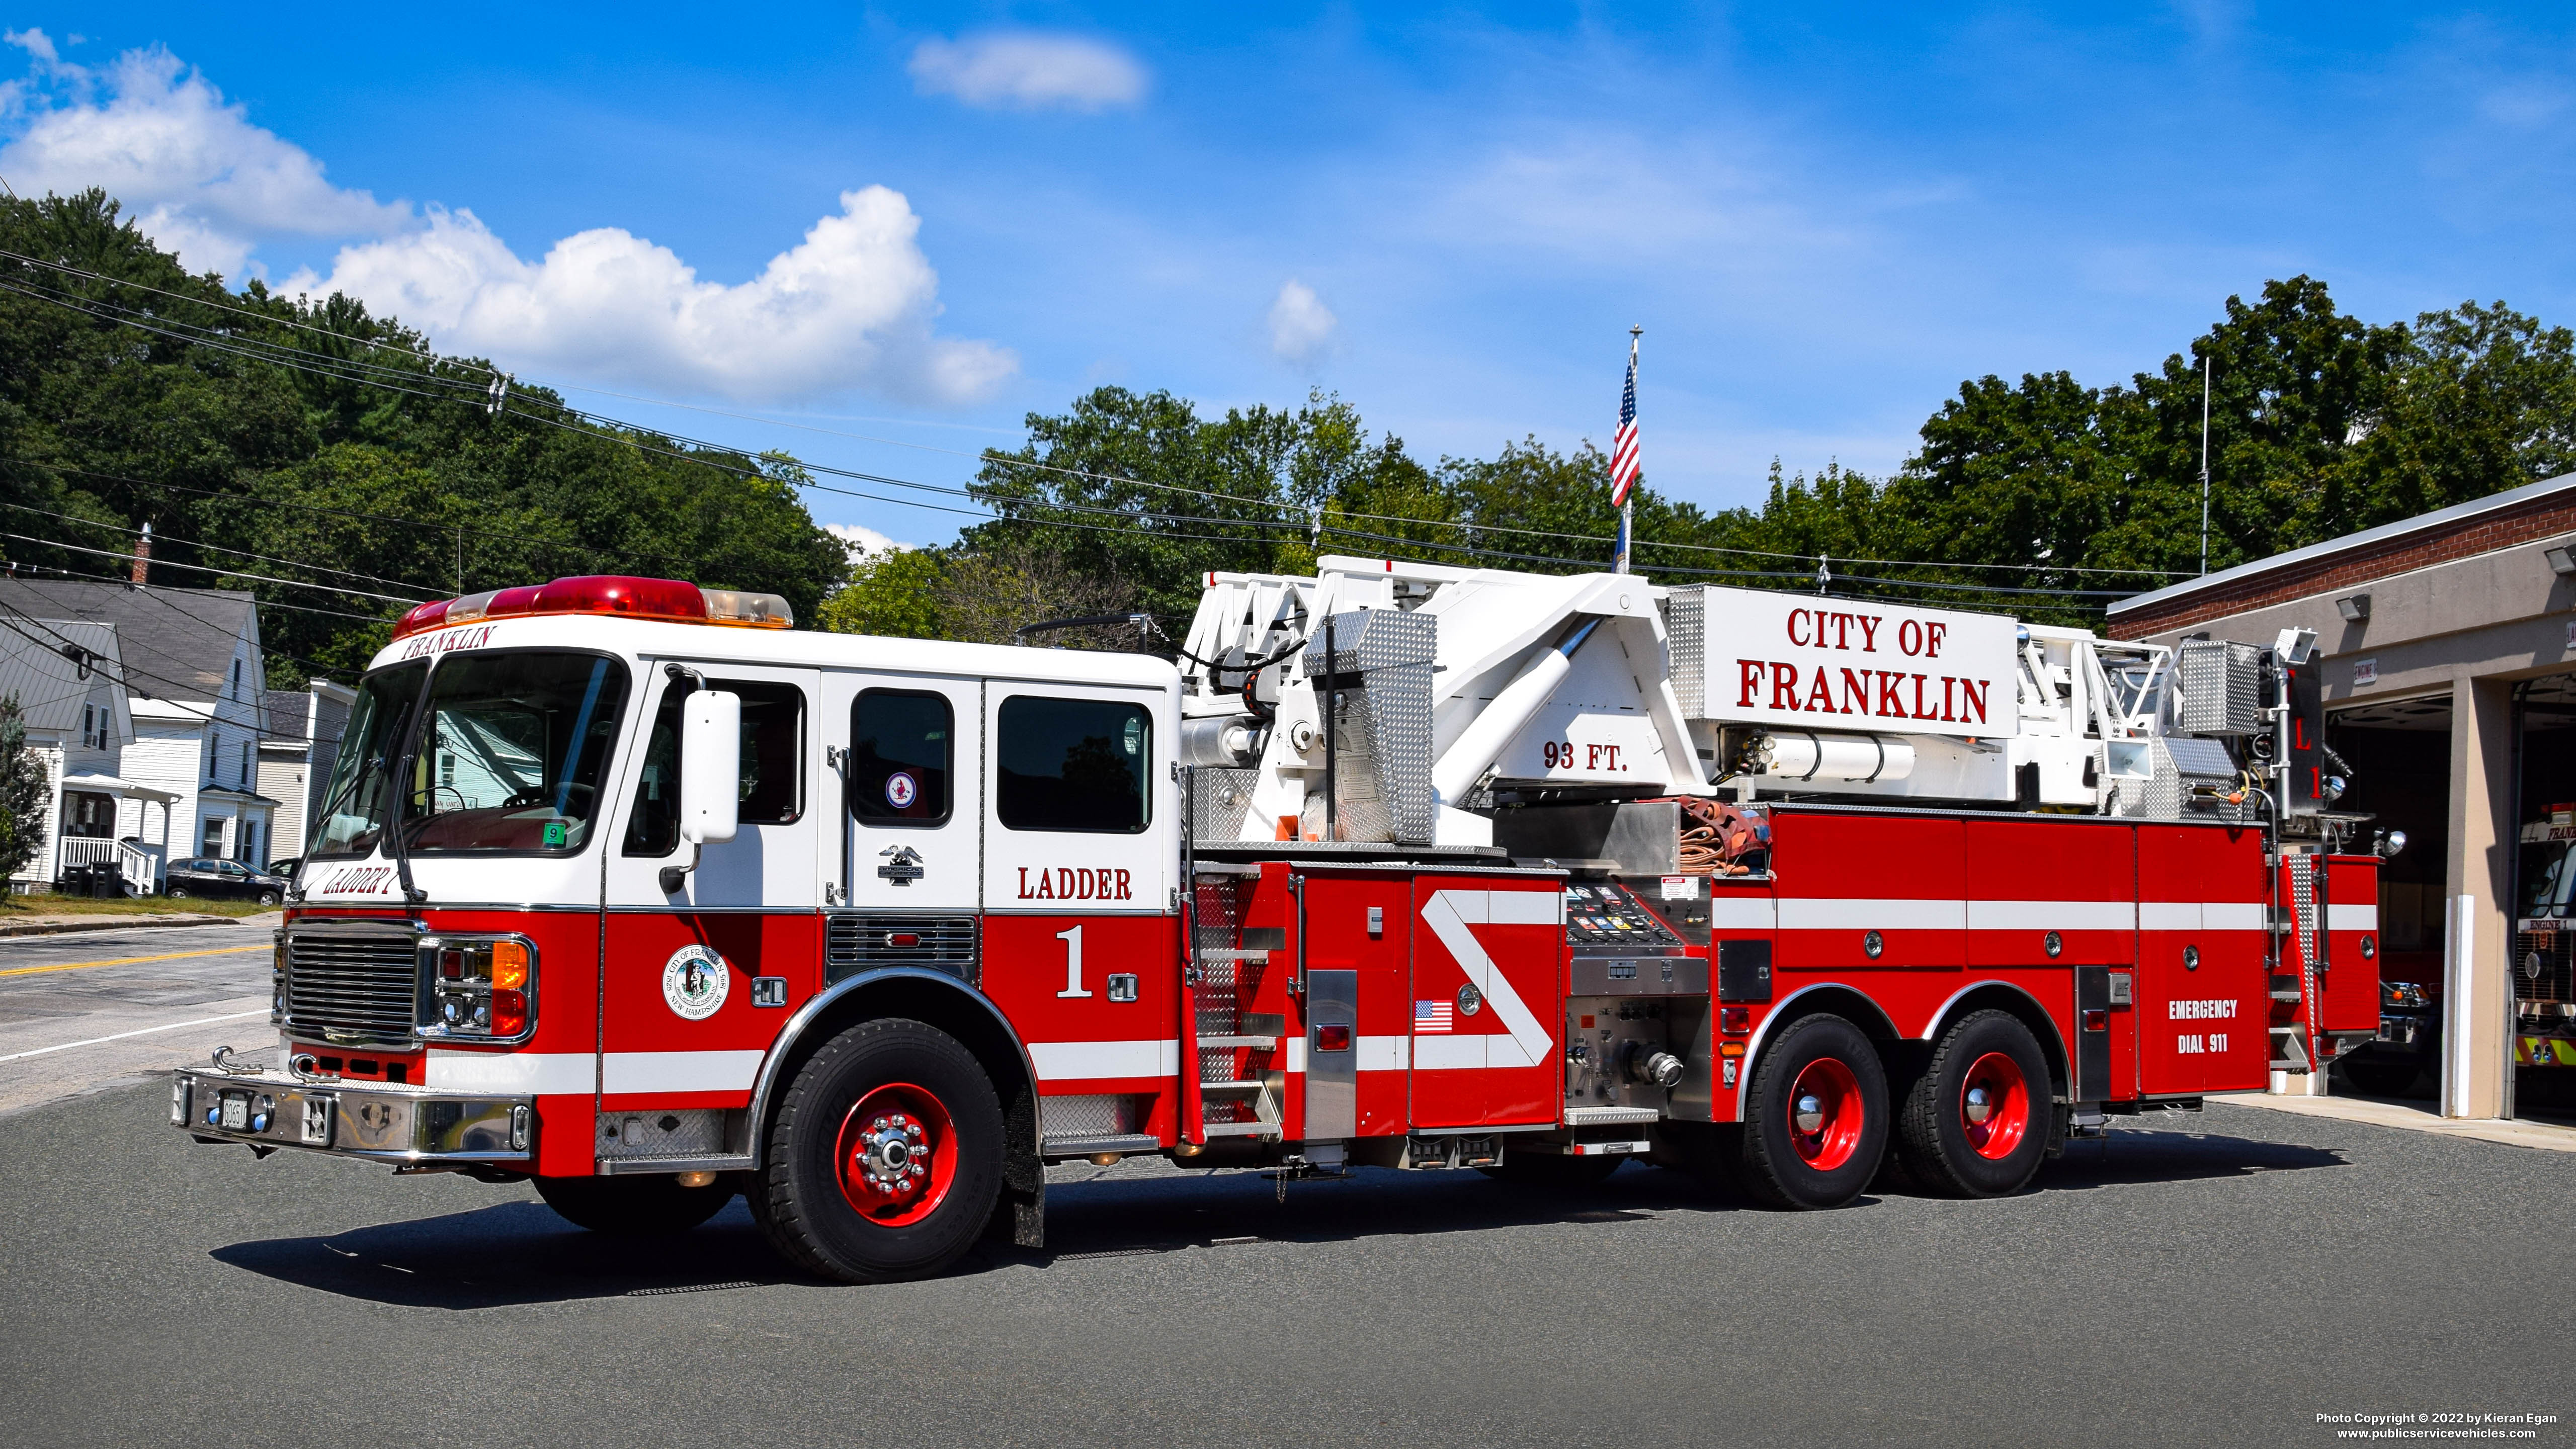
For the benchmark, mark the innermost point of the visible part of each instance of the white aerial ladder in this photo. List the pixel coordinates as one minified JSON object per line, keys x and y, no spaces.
{"x":1456,"y":689}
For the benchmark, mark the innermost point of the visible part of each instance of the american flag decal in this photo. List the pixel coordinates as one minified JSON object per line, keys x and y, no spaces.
{"x":1430,"y":1016}
{"x":1623,"y":446}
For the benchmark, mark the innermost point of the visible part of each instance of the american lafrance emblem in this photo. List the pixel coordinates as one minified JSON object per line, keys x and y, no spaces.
{"x":903,"y":865}
{"x":694,"y":982}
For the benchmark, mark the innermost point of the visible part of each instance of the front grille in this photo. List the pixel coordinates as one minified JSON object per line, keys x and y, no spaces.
{"x":353,"y":982}
{"x":856,"y":943}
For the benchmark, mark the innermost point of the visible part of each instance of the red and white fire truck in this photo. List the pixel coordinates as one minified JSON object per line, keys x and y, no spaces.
{"x":624,"y":886}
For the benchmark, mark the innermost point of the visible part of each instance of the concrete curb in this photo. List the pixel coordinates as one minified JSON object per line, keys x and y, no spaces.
{"x":2511,"y":1133}
{"x":56,"y":925}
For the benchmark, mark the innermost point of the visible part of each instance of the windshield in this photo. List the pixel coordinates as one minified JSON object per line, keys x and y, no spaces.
{"x":513,"y":752}
{"x":354,"y":814}
{"x":2547,"y":882}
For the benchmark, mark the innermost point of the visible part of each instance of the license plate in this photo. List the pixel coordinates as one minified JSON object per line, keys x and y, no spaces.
{"x":236,"y":1111}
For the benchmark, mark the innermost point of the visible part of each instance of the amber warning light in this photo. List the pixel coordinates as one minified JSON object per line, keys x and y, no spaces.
{"x":670,"y":601}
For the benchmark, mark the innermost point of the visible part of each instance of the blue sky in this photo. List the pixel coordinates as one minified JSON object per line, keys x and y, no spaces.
{"x":920,"y":224}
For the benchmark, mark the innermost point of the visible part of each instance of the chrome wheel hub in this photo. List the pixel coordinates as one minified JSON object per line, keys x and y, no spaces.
{"x":891,"y":1157}
{"x":1810,"y":1114}
{"x":1979,"y":1106}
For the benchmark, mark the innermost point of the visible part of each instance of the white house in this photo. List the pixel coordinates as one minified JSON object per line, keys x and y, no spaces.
{"x":190,"y":662}
{"x":295,"y":759}
{"x":65,"y":675}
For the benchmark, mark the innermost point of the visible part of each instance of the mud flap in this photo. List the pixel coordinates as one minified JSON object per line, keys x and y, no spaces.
{"x":1019,"y":1217}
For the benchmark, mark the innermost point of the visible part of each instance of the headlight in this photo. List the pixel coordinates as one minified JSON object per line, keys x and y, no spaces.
{"x":482,"y":987}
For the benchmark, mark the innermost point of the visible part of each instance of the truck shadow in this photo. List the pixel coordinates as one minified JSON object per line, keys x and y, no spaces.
{"x":519,"y":1253}
{"x":512,"y":1254}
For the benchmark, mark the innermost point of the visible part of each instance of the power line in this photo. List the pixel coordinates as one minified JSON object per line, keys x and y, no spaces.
{"x":219,"y":548}
{"x":987,"y":497}
{"x":230,"y":574}
{"x":468,"y":530}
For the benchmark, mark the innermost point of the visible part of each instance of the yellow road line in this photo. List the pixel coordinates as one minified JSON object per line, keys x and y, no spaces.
{"x":132,"y":960}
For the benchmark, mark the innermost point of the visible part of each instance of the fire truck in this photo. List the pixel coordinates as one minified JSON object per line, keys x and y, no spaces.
{"x":625,"y":887}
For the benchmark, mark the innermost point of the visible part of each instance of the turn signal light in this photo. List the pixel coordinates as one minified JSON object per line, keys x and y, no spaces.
{"x":509,"y":966}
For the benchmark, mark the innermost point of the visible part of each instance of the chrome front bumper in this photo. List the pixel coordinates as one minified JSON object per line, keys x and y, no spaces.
{"x":351,"y":1119}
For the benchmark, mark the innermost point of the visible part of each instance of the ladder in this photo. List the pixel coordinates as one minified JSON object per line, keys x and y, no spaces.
{"x":1241,"y":1068}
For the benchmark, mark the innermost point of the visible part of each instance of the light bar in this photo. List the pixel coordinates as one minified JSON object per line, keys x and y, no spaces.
{"x":669,"y":601}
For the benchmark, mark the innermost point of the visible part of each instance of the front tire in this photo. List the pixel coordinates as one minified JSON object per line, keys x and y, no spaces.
{"x":1975,"y":1123}
{"x":1815,"y":1119}
{"x":636,"y":1207}
{"x":268,"y":898}
{"x":885,"y":1159}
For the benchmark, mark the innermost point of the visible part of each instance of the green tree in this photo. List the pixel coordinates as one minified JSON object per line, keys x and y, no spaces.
{"x":894,"y":592}
{"x":25,"y":791}
{"x":317,"y":437}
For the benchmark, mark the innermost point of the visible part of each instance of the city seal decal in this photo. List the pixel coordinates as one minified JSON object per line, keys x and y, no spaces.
{"x":901,"y":790}
{"x":694,"y":982}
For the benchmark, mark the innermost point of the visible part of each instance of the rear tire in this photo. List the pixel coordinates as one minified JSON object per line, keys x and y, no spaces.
{"x":177,"y":893}
{"x":1815,"y":1117}
{"x":636,"y":1207}
{"x":1975,"y":1124}
{"x":838,"y":1194}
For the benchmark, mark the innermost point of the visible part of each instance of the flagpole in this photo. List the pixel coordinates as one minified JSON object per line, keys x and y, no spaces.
{"x":1628,"y":509}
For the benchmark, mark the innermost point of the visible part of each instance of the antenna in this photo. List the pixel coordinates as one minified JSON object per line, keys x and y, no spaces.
{"x":2204,"y":462}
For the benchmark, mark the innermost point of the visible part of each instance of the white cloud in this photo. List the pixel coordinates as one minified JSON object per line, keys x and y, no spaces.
{"x":848,"y":307}
{"x":863,"y":541}
{"x":1301,"y":326}
{"x":1029,"y":70}
{"x":192,"y":171}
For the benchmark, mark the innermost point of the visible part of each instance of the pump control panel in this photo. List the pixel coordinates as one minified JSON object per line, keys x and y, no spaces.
{"x":1606,"y":918}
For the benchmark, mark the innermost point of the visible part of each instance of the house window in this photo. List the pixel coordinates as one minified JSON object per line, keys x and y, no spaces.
{"x":236,"y":679}
{"x":249,"y":844}
{"x":212,"y":842}
{"x":245,"y":764}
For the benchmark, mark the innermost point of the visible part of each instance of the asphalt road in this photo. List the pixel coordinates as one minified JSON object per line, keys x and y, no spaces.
{"x":2213,"y":1279}
{"x":89,"y":1009}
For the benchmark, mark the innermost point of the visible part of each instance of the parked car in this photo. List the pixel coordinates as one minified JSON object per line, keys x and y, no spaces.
{"x":285,"y":868}
{"x":221,"y":879}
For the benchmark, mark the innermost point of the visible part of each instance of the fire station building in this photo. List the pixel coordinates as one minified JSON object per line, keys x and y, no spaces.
{"x":2448,"y":648}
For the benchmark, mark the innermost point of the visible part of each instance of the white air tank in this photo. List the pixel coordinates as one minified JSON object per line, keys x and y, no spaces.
{"x":1795,"y":755}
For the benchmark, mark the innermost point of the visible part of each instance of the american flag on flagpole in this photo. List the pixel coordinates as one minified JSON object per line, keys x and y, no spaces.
{"x":1623,"y":447}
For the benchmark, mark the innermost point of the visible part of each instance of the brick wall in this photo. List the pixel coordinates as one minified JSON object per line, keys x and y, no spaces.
{"x":2532,"y":521}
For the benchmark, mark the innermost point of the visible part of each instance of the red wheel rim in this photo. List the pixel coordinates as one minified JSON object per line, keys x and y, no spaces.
{"x":1994,"y":1105}
{"x":897,"y":1155}
{"x":1825,"y":1114}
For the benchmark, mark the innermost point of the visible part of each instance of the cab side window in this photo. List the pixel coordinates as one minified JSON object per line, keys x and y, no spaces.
{"x":773,"y":764}
{"x":1072,"y":764}
{"x":900,"y":756}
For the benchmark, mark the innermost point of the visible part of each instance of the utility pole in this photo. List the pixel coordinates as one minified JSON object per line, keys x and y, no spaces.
{"x":2204,"y":462}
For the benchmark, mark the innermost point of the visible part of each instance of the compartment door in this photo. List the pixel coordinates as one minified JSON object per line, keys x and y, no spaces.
{"x":1488,"y":1001}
